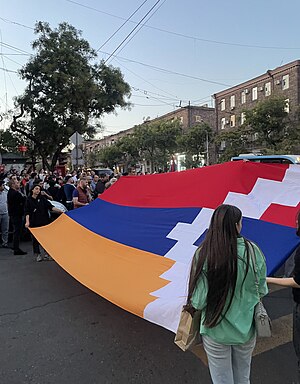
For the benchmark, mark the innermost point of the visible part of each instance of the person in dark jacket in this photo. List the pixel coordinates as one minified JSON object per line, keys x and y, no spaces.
{"x":100,"y":186}
{"x":294,"y":283}
{"x":37,"y":215}
{"x":68,"y":190}
{"x":15,"y":203}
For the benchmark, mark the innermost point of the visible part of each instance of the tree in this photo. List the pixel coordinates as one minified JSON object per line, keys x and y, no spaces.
{"x":268,"y":121}
{"x":110,"y":156}
{"x":234,"y":142}
{"x":9,"y":142}
{"x":157,"y":141}
{"x":65,"y":91}
{"x":194,"y":143}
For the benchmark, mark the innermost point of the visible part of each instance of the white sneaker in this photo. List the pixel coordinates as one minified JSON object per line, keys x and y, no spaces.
{"x":39,"y":257}
{"x":47,"y":257}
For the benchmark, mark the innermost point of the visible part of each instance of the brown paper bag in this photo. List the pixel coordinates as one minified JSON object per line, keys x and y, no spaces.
{"x":187,"y":333}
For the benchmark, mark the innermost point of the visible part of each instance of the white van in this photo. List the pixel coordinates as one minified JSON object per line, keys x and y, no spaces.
{"x":279,"y":159}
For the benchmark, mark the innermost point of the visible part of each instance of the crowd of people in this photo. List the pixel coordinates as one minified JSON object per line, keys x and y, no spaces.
{"x":222,"y":280}
{"x":28,"y":199}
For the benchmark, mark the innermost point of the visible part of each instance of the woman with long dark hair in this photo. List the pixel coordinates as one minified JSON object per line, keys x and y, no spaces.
{"x":294,"y":283}
{"x":37,"y":209}
{"x":222,"y":286}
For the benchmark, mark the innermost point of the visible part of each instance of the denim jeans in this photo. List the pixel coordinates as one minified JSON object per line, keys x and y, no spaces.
{"x":296,"y":334}
{"x":4,"y":222}
{"x":35,"y":245}
{"x":229,"y":364}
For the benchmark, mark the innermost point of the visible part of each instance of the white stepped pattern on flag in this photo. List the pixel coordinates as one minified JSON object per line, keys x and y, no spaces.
{"x":165,"y":310}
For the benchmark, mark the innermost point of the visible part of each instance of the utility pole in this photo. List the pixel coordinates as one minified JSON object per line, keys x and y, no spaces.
{"x":207,"y":145}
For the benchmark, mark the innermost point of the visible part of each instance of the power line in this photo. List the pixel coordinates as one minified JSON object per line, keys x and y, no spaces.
{"x":171,"y":72}
{"x":146,"y":94}
{"x":125,"y":22}
{"x":14,"y":22}
{"x":186,"y":36}
{"x":8,"y":46}
{"x":141,"y":26}
{"x":13,"y":61}
{"x":14,"y":54}
{"x":140,"y":77}
{"x":130,"y":33}
{"x":8,"y":70}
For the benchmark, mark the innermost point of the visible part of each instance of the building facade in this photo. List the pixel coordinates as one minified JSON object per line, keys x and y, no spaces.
{"x":231,"y":103}
{"x":188,"y":116}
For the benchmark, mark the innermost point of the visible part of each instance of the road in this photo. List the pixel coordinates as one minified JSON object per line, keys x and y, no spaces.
{"x":53,"y":330}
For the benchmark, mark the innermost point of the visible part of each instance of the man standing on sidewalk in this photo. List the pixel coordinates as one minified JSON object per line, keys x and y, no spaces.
{"x":16,"y":203}
{"x":4,"y":221}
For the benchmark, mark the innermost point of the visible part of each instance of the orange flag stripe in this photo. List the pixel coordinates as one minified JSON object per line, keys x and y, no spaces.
{"x":123,"y":275}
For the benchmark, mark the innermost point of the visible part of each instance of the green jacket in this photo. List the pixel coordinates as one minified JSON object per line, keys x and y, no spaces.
{"x":237,"y":326}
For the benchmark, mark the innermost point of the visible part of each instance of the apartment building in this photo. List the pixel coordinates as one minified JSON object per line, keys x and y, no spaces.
{"x":231,"y":103}
{"x":188,"y":116}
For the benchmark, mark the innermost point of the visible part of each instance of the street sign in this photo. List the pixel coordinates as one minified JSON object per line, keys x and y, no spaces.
{"x":76,"y":138}
{"x":77,"y":162}
{"x":76,"y":153}
{"x":77,"y":156}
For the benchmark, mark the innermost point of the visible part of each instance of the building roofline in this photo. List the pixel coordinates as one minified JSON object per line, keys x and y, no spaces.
{"x":269,"y":74}
{"x":201,"y":107}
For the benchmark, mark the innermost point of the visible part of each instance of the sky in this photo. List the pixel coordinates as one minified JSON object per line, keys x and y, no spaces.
{"x":183,"y":52}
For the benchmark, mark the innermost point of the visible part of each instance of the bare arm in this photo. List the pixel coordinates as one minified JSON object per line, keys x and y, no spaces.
{"x":44,"y":193}
{"x":283,"y":281}
{"x":57,"y":210}
{"x":78,"y":203}
{"x":27,"y":221}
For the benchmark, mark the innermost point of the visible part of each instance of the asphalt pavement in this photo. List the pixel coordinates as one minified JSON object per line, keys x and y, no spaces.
{"x":53,"y":330}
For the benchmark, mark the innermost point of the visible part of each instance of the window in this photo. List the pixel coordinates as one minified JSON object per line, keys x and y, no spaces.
{"x":243,"y":117}
{"x":198,"y":119}
{"x":223,"y":123}
{"x":222,"y":104}
{"x":232,"y":102}
{"x":243,"y":99}
{"x":268,"y":89}
{"x":285,"y":82}
{"x":232,"y":120}
{"x":254,"y":93}
{"x":287,"y":106}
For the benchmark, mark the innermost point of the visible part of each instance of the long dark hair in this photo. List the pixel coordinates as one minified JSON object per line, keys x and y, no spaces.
{"x":218,"y":253}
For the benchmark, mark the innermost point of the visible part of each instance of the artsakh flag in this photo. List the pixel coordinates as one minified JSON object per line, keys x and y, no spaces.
{"x":134,"y":245}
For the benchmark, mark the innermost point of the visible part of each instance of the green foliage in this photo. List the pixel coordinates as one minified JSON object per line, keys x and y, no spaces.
{"x":9,"y":142}
{"x":65,"y":91}
{"x":237,"y":141}
{"x":157,"y":141}
{"x":268,"y":127}
{"x":268,"y":120}
{"x":194,"y":144}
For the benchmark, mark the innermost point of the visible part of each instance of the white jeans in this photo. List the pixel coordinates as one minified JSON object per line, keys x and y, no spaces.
{"x":229,"y":364}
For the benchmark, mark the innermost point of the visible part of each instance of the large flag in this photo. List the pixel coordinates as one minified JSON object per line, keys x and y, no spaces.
{"x":134,"y":245}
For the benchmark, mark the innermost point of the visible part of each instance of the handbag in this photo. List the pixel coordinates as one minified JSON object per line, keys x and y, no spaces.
{"x":263,"y":325}
{"x":187,"y":335}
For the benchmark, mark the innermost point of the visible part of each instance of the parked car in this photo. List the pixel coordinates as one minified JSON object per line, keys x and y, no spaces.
{"x":279,"y":159}
{"x":108,"y":171}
